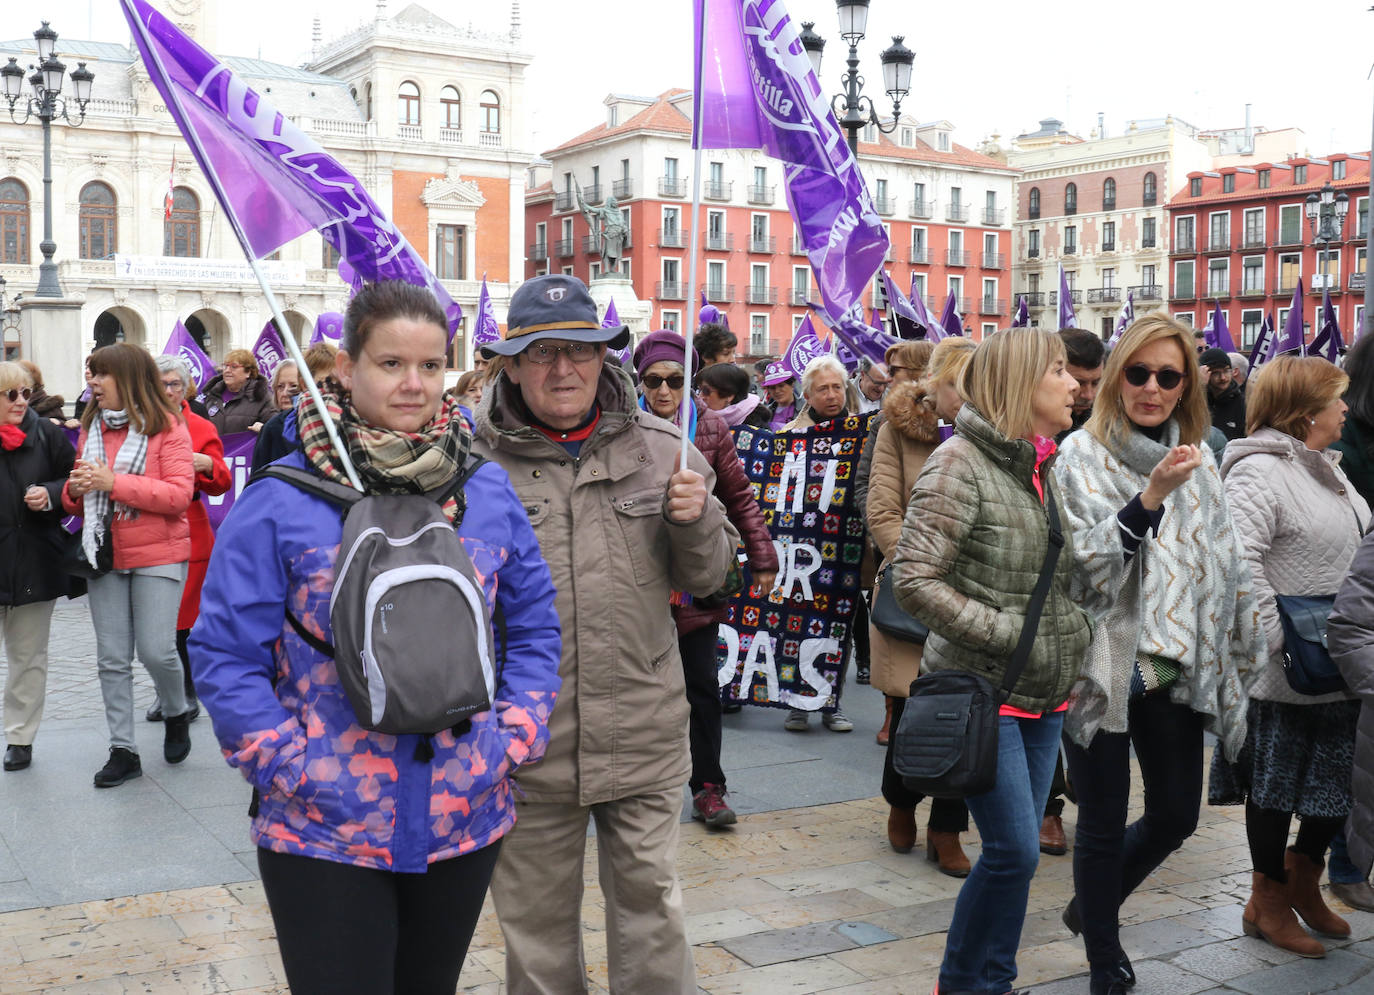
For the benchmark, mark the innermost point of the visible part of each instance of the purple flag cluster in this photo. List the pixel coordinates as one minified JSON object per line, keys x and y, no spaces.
{"x":269,"y":350}
{"x":182,"y":344}
{"x":755,"y":89}
{"x":906,"y":320}
{"x":273,"y":181}
{"x":804,"y":347}
{"x":1124,"y":319}
{"x":1328,"y":342}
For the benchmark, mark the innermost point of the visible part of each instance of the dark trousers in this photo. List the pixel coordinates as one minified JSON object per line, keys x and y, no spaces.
{"x":1266,"y":829}
{"x":859,"y":631}
{"x":1111,"y":859}
{"x":698,"y":651}
{"x":1055,"y":804}
{"x":183,"y":638}
{"x":343,"y":928}
{"x":947,"y":815}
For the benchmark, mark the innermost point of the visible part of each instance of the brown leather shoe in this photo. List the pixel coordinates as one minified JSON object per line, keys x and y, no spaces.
{"x":1052,"y":836}
{"x":1269,"y":917}
{"x":886,"y":730}
{"x":1305,"y":895}
{"x":901,"y":828}
{"x":944,"y":848}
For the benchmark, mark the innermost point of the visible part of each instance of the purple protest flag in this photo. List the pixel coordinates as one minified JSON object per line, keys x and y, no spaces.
{"x":1022,"y":318}
{"x":951,"y":321}
{"x":804,"y":347}
{"x":710,"y":314}
{"x":269,"y":350}
{"x":755,"y":89}
{"x":1124,"y":319}
{"x":612,"y":318}
{"x":904,"y":318}
{"x":934,"y":332}
{"x":1067,"y":319}
{"x":1259,"y":352}
{"x":1291,"y":338}
{"x":328,"y":328}
{"x":1217,"y":334}
{"x":843,"y":353}
{"x":487,"y":328}
{"x":182,"y":344}
{"x":1328,"y":342}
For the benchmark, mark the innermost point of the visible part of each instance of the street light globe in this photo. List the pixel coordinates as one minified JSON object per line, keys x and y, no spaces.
{"x":897,"y":62}
{"x":813,"y":44}
{"x":1312,"y":206}
{"x":13,"y":76}
{"x":853,"y":20}
{"x":46,"y":38}
{"x":53,"y":73}
{"x":82,"y":78}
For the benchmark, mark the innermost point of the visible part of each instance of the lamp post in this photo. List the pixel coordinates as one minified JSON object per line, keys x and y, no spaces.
{"x":46,"y":103}
{"x":1326,"y":212}
{"x":852,"y":107}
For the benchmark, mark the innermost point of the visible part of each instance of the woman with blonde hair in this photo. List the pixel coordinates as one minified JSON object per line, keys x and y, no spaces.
{"x":1175,"y":639}
{"x":1300,"y":523}
{"x":239,"y":398}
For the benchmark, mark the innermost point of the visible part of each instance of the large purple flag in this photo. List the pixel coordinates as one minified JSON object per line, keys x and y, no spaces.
{"x":755,"y":90}
{"x":904,"y":317}
{"x":1328,"y":342}
{"x":934,"y":332}
{"x":1067,"y":319}
{"x":1217,"y":334}
{"x":488,"y":329}
{"x":612,"y":318}
{"x":710,"y":314}
{"x":1291,"y":338}
{"x":269,"y":350}
{"x":328,"y":328}
{"x":804,"y":347}
{"x":1022,"y":317}
{"x":273,"y":181}
{"x":950,"y":320}
{"x":182,"y":344}
{"x":1260,"y":351}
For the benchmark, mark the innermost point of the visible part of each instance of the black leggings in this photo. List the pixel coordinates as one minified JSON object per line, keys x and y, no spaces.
{"x":1267,"y":831}
{"x":343,"y":928}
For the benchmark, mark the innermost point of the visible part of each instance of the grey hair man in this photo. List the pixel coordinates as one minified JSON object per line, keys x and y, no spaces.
{"x":1240,"y":368}
{"x":870,"y":382}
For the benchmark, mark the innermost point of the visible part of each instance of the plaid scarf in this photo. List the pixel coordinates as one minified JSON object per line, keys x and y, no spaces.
{"x":131,"y":458}
{"x":387,"y":461}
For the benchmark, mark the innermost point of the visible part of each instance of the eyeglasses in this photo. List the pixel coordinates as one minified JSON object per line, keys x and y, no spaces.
{"x":579,"y":352}
{"x":15,"y":393}
{"x":235,"y":366}
{"x":1139,"y":376}
{"x":652,"y":381}
{"x":172,"y":386}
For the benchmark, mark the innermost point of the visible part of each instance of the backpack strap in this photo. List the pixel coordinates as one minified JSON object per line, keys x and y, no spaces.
{"x":454,"y":488}
{"x":340,"y":495}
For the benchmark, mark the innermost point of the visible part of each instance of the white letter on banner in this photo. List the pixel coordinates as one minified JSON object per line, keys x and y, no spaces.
{"x":828,"y":486}
{"x":730,"y":637}
{"x":768,"y":667}
{"x":806,"y":663}
{"x":793,"y":472}
{"x":794,"y":572}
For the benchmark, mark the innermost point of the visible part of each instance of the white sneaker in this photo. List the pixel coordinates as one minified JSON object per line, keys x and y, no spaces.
{"x":837,"y":721}
{"x":797,"y":721}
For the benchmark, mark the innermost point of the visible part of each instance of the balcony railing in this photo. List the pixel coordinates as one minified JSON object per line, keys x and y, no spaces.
{"x":1357,"y":281}
{"x":1109,"y":246}
{"x":719,"y":293}
{"x":1033,"y":213}
{"x":1076,"y":296}
{"x":798,"y":298}
{"x":994,"y":215}
{"x":1150,"y":200}
{"x":672,"y":238}
{"x":591,"y":245}
{"x":1109,"y":203}
{"x":1104,"y":295}
{"x":1070,"y":249}
{"x":956,"y":257}
{"x":922,"y":209}
{"x":1183,"y":247}
{"x":992,"y":305}
{"x":920,"y":254}
{"x":964,"y":305}
{"x":670,"y":290}
{"x":1253,"y":290}
{"x":885,"y":205}
{"x":1254,"y":240}
{"x":451,"y":136}
{"x":1221,"y":293}
{"x":717,"y":189}
{"x":766,"y":244}
{"x":1149,"y":242}
{"x":539,"y":251}
{"x":761,"y":195}
{"x":1183,"y":292}
{"x":1034,"y":298}
{"x":762,"y":295}
{"x":1147,"y":292}
{"x":1289,"y":237}
{"x":1033,"y":253}
{"x":1219,"y":243}
{"x":1071,"y":208}
{"x":1286,"y":289}
{"x":408,"y":132}
{"x":994,"y":260}
{"x":956,"y":212}
{"x":623,"y":189}
{"x":564,"y":247}
{"x":563,"y":200}
{"x":592,"y":193}
{"x":1316,"y":289}
{"x":672,"y":186}
{"x":798,"y":246}
{"x":722,"y":242}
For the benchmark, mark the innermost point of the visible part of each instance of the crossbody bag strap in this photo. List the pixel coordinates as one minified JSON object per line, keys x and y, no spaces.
{"x":1031,"y":625}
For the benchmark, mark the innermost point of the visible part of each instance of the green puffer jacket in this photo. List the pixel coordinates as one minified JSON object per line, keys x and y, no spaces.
{"x":972,"y":544}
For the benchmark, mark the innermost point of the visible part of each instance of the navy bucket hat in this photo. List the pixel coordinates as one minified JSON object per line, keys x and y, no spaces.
{"x":555,"y":306}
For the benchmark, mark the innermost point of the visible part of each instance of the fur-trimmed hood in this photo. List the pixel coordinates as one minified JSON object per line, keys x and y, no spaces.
{"x":911,"y":411}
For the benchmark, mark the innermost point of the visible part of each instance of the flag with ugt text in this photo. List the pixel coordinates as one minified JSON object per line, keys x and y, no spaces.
{"x":273,"y":181}
{"x":1260,"y":351}
{"x":269,"y":350}
{"x":804,"y":347}
{"x":755,"y":89}
{"x":182,"y":344}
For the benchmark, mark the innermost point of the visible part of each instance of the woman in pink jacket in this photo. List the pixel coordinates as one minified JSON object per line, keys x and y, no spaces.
{"x":132,"y":484}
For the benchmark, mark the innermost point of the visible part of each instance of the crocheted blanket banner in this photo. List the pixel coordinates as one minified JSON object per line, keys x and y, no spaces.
{"x":783,"y":648}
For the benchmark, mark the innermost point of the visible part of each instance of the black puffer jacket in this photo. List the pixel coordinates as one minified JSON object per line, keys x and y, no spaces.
{"x":252,"y":404}
{"x":31,"y":542}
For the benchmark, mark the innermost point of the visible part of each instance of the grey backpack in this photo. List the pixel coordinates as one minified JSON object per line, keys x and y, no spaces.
{"x":412,"y":635}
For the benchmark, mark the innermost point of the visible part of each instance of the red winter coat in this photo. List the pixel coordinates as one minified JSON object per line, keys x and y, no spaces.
{"x":204,"y":439}
{"x":741,"y":506}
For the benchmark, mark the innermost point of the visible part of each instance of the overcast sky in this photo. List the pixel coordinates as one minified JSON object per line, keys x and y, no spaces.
{"x":986,"y":65}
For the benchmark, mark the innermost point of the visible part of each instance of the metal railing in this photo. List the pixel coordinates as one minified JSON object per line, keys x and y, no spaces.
{"x":1252,"y":290}
{"x":1109,"y":203}
{"x":798,"y":298}
{"x":672,"y":186}
{"x":717,"y":189}
{"x":1033,"y":253}
{"x":1219,"y":243}
{"x":922,"y":209}
{"x":885,"y":205}
{"x":1104,"y":295}
{"x":1076,"y":296}
{"x":767,"y":244}
{"x":1222,"y":293}
{"x":623,"y":189}
{"x":1070,"y":249}
{"x":719,"y":293}
{"x":592,"y":193}
{"x":762,"y":295}
{"x":920,"y":254}
{"x":1149,"y":241}
{"x":1147,"y":292}
{"x":1183,"y":246}
{"x":992,"y":305}
{"x":1290,"y":237}
{"x":1109,"y":246}
{"x":591,"y":245}
{"x":1183,"y":293}
{"x":994,"y":215}
{"x":564,"y":247}
{"x":956,"y":212}
{"x":994,"y":260}
{"x":1254,"y":240}
{"x":1034,"y":298}
{"x":539,"y":251}
{"x":670,"y":290}
{"x":563,"y":200}
{"x":798,"y":246}
{"x":672,"y":238}
{"x":724,"y":242}
{"x":956,"y":257}
{"x":761,"y":194}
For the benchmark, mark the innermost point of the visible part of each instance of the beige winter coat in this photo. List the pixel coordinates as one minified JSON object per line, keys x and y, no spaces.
{"x":909,"y":433}
{"x":620,"y":725}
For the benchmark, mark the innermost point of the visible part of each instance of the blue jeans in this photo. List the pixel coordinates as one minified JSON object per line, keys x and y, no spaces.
{"x":1339,"y":869}
{"x":980,"y":954}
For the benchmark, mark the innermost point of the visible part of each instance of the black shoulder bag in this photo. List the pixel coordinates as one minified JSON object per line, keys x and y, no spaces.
{"x":946,"y":744}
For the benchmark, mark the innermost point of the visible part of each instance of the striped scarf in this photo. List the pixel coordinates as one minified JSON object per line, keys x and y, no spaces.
{"x":131,"y":458}
{"x":387,"y":461}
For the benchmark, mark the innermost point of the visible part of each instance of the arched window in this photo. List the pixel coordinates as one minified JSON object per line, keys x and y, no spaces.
{"x":1109,"y":194}
{"x":97,"y":221}
{"x":1150,"y":190}
{"x":1071,"y":198}
{"x":452,"y":105}
{"x":408,"y":107}
{"x":1035,"y":202}
{"x":14,"y":221}
{"x":367,"y":97}
{"x":491,"y":112}
{"x":181,"y":232}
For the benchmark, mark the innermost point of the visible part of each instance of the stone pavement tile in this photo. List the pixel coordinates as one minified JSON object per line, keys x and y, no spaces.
{"x":16,"y":895}
{"x":1219,"y":961}
{"x":921,"y":954}
{"x":1043,"y":927}
{"x":1361,"y":923}
{"x":711,"y":927}
{"x":1214,"y":891}
{"x":711,"y":960}
{"x":1049,"y":961}
{"x":1151,"y":939}
{"x":897,"y":892}
{"x":159,"y":904}
{"x":1339,"y":970}
{"x":916,"y":983}
{"x":725,"y":893}
{"x":846,"y":904}
{"x":815,"y":881}
{"x":915,"y":920}
{"x":1223,"y":922}
{"x":218,"y":921}
{"x":1143,"y":906}
{"x":775,"y":946}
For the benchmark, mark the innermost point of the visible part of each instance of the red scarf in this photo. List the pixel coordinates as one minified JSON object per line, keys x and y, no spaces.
{"x":11,"y":437}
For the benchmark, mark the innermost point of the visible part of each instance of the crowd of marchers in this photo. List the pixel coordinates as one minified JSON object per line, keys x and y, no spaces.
{"x":1190,"y":501}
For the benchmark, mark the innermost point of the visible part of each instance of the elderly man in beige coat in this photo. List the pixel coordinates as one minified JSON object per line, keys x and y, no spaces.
{"x":622,"y":526}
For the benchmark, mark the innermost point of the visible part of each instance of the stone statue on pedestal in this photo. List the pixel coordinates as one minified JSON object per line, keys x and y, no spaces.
{"x":608,"y":227}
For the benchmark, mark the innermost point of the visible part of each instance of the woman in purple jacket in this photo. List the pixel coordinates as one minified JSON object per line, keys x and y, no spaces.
{"x":375,"y":855}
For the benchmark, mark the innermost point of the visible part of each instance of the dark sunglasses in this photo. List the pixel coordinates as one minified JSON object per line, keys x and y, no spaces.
{"x":15,"y":393}
{"x":1139,"y":376}
{"x":652,"y":381}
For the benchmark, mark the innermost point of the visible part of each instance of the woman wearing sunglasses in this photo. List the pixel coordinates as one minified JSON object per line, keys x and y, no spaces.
{"x":1176,"y":640}
{"x":35,"y":458}
{"x":658,"y":361}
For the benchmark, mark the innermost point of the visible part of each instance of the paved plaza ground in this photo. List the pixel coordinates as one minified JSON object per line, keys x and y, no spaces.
{"x":152,"y":887}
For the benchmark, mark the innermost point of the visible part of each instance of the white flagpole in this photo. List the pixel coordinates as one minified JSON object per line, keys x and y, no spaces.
{"x":693,"y":238}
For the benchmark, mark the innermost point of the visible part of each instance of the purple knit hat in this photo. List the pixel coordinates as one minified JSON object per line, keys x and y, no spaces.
{"x":663,"y":346}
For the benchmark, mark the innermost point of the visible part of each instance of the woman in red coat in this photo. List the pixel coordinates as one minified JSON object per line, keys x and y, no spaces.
{"x":658,"y":360}
{"x":212,"y":478}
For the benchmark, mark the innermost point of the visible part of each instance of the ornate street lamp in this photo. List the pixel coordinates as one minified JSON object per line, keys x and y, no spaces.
{"x":1326,"y":212}
{"x":46,"y":103}
{"x":853,"y":108}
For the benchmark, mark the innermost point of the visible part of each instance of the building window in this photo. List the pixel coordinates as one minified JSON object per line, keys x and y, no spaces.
{"x":1034,"y":204}
{"x":14,"y":221}
{"x":1148,"y":235}
{"x":1071,"y":199}
{"x":1109,"y":236}
{"x":1151,"y":190}
{"x":452,"y":105}
{"x":1195,"y":187}
{"x":1228,"y":183}
{"x":758,"y":334}
{"x":449,"y":255}
{"x":1249,"y":327}
{"x":329,"y":256}
{"x":1338,"y":169}
{"x":1219,"y":277}
{"x":491,"y":112}
{"x":1299,"y":175}
{"x":1332,"y":265}
{"x":408,"y":103}
{"x":670,"y":320}
{"x":1183,"y":234}
{"x":181,"y":232}
{"x":1252,"y":275}
{"x":1109,"y":194}
{"x":1290,"y":224}
{"x":1264,"y":175}
{"x":1254,"y":228}
{"x":944,"y":141}
{"x":1183,"y":279}
{"x":1362,"y":217}
{"x":1290,"y":272}
{"x":1033,"y":242}
{"x":1220,"y":235}
{"x":1070,"y":238}
{"x":97,"y":221}
{"x":1109,"y":278}
{"x":1147,"y":276}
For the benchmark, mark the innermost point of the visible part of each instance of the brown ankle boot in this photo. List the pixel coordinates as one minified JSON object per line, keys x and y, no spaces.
{"x":1269,"y":916}
{"x":945,"y":848}
{"x":886,"y":730}
{"x":901,"y":828}
{"x":1305,"y":895}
